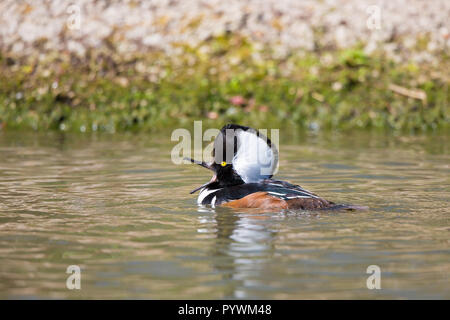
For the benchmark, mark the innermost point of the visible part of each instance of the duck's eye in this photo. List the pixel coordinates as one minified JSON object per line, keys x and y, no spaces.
{"x":223,"y":164}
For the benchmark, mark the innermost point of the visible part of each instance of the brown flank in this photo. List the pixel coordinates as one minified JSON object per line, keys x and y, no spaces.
{"x":263,"y":200}
{"x":258,"y":200}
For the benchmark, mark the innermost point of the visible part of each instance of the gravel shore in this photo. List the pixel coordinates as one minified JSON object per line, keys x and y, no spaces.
{"x":284,"y":25}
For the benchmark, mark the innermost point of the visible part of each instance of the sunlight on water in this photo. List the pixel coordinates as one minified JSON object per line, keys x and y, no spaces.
{"x":116,"y":206}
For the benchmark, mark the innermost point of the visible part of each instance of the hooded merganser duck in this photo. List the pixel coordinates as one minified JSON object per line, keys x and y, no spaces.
{"x":243,"y":165}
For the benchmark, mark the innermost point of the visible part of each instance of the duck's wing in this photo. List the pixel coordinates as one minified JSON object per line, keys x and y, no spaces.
{"x":286,"y":190}
{"x":272,"y":194}
{"x":268,"y":194}
{"x":295,"y":196}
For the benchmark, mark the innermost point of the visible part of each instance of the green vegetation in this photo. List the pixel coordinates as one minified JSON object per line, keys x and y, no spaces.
{"x":224,"y":80}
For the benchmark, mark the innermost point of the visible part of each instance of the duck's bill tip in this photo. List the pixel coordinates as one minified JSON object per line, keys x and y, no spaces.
{"x":200,"y":163}
{"x":189,"y":159}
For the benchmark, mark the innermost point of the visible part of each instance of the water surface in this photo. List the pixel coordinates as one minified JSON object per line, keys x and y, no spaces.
{"x":116,"y":206}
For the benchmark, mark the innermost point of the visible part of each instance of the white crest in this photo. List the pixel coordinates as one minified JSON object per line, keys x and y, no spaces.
{"x":254,"y":160}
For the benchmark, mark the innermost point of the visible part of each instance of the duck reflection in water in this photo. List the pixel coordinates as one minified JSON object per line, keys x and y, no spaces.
{"x":244,"y":243}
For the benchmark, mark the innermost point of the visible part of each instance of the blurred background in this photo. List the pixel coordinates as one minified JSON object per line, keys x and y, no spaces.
{"x":136,"y":65}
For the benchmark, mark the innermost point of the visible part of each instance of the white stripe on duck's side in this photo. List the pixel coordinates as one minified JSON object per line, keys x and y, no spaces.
{"x":294,"y":191}
{"x":204,"y":193}
{"x":276,"y":193}
{"x":213,"y":202}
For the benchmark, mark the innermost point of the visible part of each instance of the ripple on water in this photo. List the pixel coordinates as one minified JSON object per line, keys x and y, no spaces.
{"x":117,"y":206}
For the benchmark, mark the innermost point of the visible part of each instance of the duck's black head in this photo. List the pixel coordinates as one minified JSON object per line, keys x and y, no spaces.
{"x":240,"y":155}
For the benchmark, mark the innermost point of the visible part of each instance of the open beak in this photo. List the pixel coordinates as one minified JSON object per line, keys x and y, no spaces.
{"x":204,"y":165}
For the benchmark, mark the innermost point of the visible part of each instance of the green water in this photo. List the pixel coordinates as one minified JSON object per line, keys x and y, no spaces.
{"x":116,"y":206}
